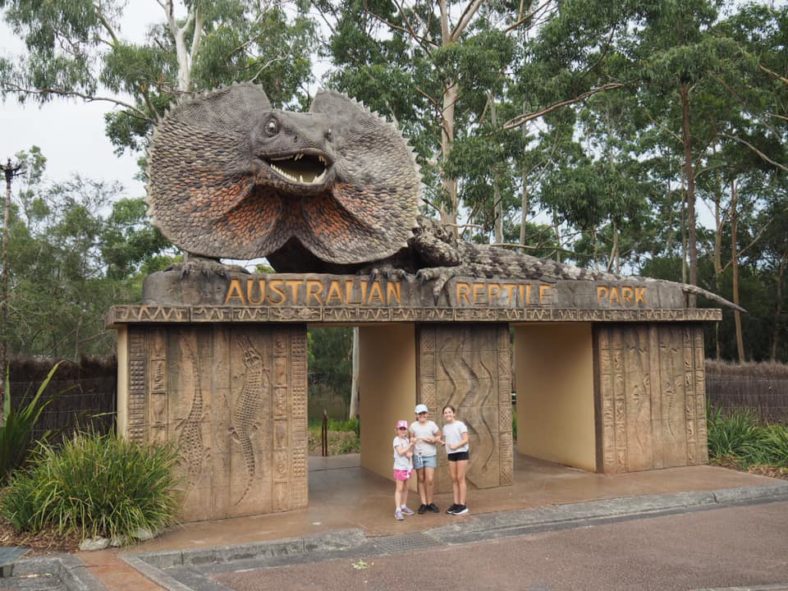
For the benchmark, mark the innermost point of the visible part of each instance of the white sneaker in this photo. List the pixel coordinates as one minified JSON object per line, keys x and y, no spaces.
{"x":406,"y":510}
{"x":398,"y":515}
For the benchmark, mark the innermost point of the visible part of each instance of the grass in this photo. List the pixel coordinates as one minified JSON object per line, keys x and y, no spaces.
{"x":343,"y":437}
{"x":738,"y":439}
{"x":94,"y":485}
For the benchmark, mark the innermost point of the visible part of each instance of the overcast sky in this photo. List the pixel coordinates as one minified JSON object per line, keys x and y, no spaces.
{"x":70,"y":133}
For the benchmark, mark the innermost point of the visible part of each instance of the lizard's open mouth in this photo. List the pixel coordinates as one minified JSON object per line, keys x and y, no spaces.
{"x":303,"y":168}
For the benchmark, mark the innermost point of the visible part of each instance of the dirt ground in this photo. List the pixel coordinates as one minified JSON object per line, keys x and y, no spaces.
{"x":46,"y":542}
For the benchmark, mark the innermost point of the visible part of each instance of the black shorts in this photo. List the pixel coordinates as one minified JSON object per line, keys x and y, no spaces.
{"x":459,"y":456}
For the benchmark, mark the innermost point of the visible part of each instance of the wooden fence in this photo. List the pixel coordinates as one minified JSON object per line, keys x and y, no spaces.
{"x":761,"y":388}
{"x":81,"y":395}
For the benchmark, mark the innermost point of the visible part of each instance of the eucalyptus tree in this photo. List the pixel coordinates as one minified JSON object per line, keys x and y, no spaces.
{"x":75,"y":48}
{"x":450,"y":72}
{"x":69,"y":241}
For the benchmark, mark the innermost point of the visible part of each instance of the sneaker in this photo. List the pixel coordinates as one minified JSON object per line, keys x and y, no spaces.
{"x":422,"y":509}
{"x":398,"y":515}
{"x":460,"y":510}
{"x":406,"y":510}
{"x":452,"y":509}
{"x":433,"y":507}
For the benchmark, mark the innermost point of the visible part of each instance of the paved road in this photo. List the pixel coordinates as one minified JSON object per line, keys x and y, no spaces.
{"x":739,"y":546}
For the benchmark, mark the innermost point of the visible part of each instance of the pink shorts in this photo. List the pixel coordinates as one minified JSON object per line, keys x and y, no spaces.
{"x":401,"y":474}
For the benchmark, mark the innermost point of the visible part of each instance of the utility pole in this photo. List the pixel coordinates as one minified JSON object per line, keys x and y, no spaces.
{"x":10,"y":171}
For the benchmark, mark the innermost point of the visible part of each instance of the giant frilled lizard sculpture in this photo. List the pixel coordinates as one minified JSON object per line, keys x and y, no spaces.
{"x":333,"y":190}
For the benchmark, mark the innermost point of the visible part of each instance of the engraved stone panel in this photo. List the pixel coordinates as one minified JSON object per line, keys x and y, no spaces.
{"x":650,"y":397}
{"x":460,"y":365}
{"x":210,"y":389}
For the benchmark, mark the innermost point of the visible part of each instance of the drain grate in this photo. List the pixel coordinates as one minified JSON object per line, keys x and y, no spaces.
{"x":405,"y":543}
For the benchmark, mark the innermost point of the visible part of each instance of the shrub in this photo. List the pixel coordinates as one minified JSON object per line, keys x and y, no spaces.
{"x":17,"y":427}
{"x":772,"y":447}
{"x":97,"y":486}
{"x":733,"y":434}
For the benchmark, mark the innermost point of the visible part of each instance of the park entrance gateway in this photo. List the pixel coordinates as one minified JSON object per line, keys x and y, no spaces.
{"x":609,"y":369}
{"x":609,"y":377}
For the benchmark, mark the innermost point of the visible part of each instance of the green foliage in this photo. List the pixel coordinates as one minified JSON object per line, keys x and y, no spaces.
{"x":96,"y":486}
{"x":75,"y":249}
{"x":344,"y":437}
{"x":76,"y":48}
{"x":738,"y":436}
{"x":344,"y":425}
{"x":329,"y":361}
{"x":600,"y":182}
{"x":17,"y":426}
{"x":732,"y":435}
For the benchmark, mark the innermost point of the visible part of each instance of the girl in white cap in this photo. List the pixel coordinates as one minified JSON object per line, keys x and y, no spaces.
{"x":425,"y":457}
{"x":403,"y":466}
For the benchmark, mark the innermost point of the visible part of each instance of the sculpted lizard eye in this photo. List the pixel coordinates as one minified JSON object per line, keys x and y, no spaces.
{"x":272,"y":127}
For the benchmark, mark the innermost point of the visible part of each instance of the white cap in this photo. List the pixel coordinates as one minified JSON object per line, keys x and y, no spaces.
{"x":420,"y":408}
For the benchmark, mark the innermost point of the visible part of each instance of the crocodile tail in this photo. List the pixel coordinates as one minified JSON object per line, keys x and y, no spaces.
{"x":248,"y":456}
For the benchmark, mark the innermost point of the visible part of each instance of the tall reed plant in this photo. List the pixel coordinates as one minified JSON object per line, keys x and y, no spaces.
{"x":16,"y":430}
{"x":96,"y":485}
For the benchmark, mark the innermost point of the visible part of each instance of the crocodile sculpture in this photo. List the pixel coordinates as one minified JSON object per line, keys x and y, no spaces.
{"x":333,"y":190}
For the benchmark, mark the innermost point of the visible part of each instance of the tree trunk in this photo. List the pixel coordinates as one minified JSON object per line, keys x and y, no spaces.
{"x":778,"y":309}
{"x":717,"y":259}
{"x":353,"y":410}
{"x":689,"y":172}
{"x":557,"y":230}
{"x":9,"y":175}
{"x":524,"y":198}
{"x":497,"y":204}
{"x":450,"y":94}
{"x":735,"y":269}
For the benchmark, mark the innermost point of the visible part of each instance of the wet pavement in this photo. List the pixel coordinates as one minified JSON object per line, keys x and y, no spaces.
{"x":746,"y":547}
{"x":353,"y":508}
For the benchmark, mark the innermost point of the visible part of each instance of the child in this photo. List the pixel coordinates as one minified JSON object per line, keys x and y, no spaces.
{"x":455,"y":438}
{"x":426,"y":434}
{"x":403,"y":465}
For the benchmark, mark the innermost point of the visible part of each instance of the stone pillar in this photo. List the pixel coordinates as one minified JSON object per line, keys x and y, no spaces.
{"x":650,"y":396}
{"x":469,"y":367}
{"x":233,"y":400}
{"x":554,"y":364}
{"x":387,"y":392}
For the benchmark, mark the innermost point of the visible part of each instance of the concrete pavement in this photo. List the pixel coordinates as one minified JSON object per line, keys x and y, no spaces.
{"x":349,"y":509}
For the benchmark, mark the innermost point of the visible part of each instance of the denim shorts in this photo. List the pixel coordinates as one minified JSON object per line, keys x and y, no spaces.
{"x":420,"y":462}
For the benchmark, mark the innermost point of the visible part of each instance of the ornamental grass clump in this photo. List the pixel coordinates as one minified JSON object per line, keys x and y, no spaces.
{"x":738,"y":437}
{"x":732,"y":435}
{"x":95,"y":485}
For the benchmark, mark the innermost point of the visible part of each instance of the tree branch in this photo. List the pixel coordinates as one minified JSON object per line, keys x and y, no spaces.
{"x":752,"y":243}
{"x":782,"y":79}
{"x":105,"y":23}
{"x":528,"y":16}
{"x":465,"y":18}
{"x":757,"y":151}
{"x":197,"y":36}
{"x":520,"y":119}
{"x":73,"y":93}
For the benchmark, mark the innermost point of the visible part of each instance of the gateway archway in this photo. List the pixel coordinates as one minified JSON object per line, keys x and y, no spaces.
{"x":219,"y":367}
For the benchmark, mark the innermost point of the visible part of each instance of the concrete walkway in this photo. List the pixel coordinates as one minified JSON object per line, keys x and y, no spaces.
{"x":348,"y":505}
